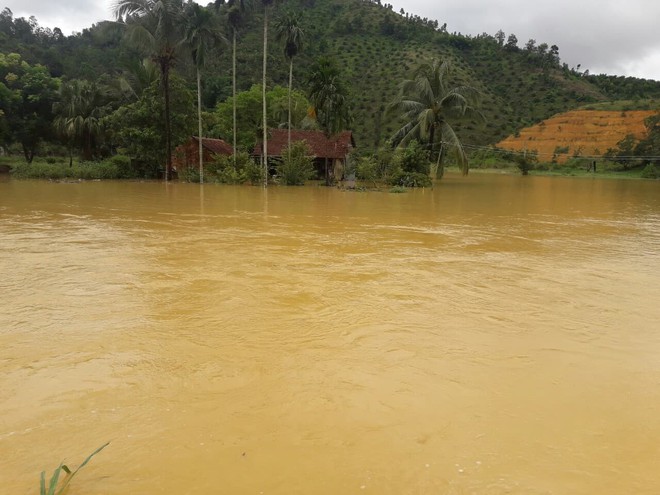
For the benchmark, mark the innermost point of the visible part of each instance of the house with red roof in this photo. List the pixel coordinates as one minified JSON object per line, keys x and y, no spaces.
{"x":187,"y":154}
{"x":330,"y":153}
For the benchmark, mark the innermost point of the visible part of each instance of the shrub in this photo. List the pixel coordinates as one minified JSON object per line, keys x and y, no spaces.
{"x":367,"y":169}
{"x":190,"y":174}
{"x":413,"y":158}
{"x":123,"y":166}
{"x":397,"y":190}
{"x":650,"y":172}
{"x":59,"y":171}
{"x":296,"y":165}
{"x":233,"y":170}
{"x":410,"y":179}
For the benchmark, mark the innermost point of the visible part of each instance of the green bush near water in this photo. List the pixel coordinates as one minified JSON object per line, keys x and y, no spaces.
{"x":411,"y":167}
{"x":296,"y":166}
{"x":233,"y":170}
{"x":116,"y":167}
{"x":650,"y":172}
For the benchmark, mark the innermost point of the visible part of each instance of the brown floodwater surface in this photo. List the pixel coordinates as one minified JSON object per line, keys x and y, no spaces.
{"x":494,"y":335}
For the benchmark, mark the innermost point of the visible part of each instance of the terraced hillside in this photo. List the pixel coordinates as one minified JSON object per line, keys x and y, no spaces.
{"x":578,"y":133}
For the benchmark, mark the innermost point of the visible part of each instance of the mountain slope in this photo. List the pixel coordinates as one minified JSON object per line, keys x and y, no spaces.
{"x":578,"y":133}
{"x":376,"y":49}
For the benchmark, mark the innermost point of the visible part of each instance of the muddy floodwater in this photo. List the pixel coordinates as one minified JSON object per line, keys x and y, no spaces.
{"x":494,"y":335}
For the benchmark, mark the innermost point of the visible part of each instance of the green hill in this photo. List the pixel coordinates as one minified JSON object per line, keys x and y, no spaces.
{"x":376,"y":49}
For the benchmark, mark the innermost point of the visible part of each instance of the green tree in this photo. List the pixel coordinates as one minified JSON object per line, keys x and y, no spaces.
{"x":291,"y":33}
{"x":249,"y":108}
{"x":80,"y":110}
{"x":27,"y":94}
{"x":329,"y":96}
{"x":137,"y":127}
{"x":202,"y":31}
{"x":428,"y":105}
{"x":649,"y":146}
{"x":155,"y":26}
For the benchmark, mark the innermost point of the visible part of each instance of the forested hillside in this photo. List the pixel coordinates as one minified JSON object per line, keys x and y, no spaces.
{"x":374,"y":48}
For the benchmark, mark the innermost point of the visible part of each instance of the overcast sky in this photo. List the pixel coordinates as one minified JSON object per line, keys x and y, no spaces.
{"x":605,"y":36}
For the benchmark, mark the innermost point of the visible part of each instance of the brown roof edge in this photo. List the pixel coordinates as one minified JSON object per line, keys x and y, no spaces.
{"x":218,"y":146}
{"x":321,"y":146}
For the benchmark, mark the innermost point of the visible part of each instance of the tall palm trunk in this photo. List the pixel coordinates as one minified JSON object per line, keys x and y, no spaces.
{"x":165,"y":68}
{"x":290,"y":86}
{"x":263,"y":95}
{"x":434,"y":170}
{"x":199,"y":122}
{"x":87,"y":146}
{"x":233,"y":86}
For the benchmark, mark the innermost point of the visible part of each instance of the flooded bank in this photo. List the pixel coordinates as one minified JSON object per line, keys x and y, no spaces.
{"x":493,"y":335}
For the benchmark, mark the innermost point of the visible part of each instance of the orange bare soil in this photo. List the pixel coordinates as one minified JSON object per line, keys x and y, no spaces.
{"x":583,"y":132}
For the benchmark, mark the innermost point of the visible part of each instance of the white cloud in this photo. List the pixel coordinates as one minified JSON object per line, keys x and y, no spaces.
{"x":602,"y":35}
{"x":68,"y":15}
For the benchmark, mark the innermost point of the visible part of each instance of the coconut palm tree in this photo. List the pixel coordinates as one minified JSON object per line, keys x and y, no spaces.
{"x":201,"y":32}
{"x":155,"y":26}
{"x":137,"y":76}
{"x":428,"y":105}
{"x":289,"y":30}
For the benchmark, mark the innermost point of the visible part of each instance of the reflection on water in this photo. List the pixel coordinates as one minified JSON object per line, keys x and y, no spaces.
{"x":493,"y":335}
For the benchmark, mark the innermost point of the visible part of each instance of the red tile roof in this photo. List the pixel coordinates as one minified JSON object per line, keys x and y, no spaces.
{"x":337,"y":146}
{"x":217,"y":146}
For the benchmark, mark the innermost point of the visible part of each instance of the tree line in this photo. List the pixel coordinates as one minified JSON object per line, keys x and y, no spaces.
{"x":145,"y":111}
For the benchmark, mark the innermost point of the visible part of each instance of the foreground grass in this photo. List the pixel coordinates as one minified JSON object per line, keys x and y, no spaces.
{"x":54,"y":487}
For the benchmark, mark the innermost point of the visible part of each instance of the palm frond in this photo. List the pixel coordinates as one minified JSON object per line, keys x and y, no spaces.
{"x":450,"y":138}
{"x":130,"y":8}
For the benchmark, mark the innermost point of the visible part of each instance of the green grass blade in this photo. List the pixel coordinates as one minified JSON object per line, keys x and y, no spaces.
{"x":53,"y":480}
{"x":42,"y":485}
{"x":92,"y":455}
{"x":72,"y":474}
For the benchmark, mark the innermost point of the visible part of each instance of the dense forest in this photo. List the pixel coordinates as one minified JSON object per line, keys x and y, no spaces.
{"x":129,"y":86}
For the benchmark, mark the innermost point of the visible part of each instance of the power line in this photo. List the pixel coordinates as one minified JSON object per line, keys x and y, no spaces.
{"x":531,"y":152}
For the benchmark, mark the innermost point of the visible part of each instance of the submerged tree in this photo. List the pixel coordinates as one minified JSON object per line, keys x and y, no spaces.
{"x":155,"y":27}
{"x":429,"y":106}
